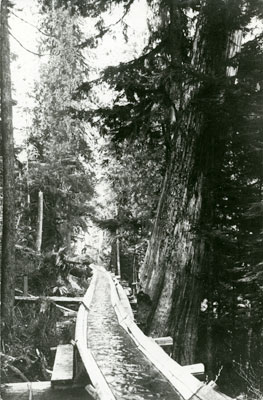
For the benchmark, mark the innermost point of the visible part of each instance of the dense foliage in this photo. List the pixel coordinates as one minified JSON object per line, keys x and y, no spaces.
{"x":60,"y":157}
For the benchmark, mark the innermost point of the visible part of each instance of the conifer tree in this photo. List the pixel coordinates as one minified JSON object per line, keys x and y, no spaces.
{"x":60,"y":157}
{"x":8,"y":238}
{"x":178,"y":89}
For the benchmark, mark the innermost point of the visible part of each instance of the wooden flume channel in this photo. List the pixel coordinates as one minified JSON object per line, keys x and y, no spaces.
{"x":185,"y":385}
{"x":178,"y":379}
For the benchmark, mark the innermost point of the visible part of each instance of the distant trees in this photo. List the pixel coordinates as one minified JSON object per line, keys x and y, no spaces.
{"x":60,"y":155}
{"x":8,"y":238}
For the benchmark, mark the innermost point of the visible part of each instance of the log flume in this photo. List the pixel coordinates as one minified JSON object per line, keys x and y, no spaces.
{"x":123,"y":363}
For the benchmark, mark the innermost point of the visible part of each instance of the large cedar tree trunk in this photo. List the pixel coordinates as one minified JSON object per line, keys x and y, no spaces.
{"x":176,"y":257}
{"x":8,"y":238}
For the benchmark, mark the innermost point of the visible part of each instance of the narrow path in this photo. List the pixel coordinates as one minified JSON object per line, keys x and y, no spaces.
{"x":127,"y":371}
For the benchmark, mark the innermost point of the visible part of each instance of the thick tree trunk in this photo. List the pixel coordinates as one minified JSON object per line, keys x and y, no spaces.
{"x":175,"y":262}
{"x":8,"y":238}
{"x":172,"y":271}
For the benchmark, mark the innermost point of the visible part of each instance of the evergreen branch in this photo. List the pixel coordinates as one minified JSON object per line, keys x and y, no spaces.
{"x":29,"y":51}
{"x":105,"y":30}
{"x":143,"y":56}
{"x":86,"y":86}
{"x":127,"y":9}
{"x":29,"y":23}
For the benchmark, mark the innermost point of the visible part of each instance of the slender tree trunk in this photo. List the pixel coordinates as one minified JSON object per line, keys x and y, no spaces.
{"x":118,"y":260}
{"x":39,"y":222}
{"x":8,"y":238}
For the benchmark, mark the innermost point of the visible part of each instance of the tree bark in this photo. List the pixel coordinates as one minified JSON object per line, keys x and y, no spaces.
{"x":175,"y":261}
{"x":172,"y":270}
{"x":8,"y":238}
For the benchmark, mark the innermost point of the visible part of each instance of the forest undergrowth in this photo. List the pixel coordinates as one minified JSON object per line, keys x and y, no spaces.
{"x":28,"y":352}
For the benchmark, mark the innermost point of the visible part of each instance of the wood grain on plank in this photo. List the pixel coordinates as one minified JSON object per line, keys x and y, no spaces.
{"x":56,"y":299}
{"x":185,"y":383}
{"x":63,"y":366}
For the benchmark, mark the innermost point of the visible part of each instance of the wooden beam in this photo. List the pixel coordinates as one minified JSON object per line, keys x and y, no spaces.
{"x":164,"y":341}
{"x":100,"y":388}
{"x":25,"y":285}
{"x":198,"y":370}
{"x":42,"y":391}
{"x":183,"y":382}
{"x":210,"y":392}
{"x":63,"y":366}
{"x":56,"y":299}
{"x":23,"y":390}
{"x":67,"y":311}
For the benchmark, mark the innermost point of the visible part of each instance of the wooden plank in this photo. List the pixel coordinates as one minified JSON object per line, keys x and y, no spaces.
{"x":25,"y":285}
{"x":42,"y":391}
{"x":164,"y":341}
{"x":209,"y":392}
{"x":98,"y":381}
{"x":22,"y":390}
{"x":67,"y":311}
{"x":124,"y":301}
{"x":184,"y":382}
{"x":101,"y":388}
{"x":56,"y":299}
{"x":63,"y":366}
{"x":197,"y":370}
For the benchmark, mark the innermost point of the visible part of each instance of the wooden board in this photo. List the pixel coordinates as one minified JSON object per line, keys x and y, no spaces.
{"x":56,"y":299}
{"x":63,"y":366}
{"x":22,"y":390}
{"x":41,"y":391}
{"x":198,"y":370}
{"x":164,"y":341}
{"x":210,"y":392}
{"x":99,"y":383}
{"x":101,"y":389}
{"x":124,"y":301}
{"x":184,"y":382}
